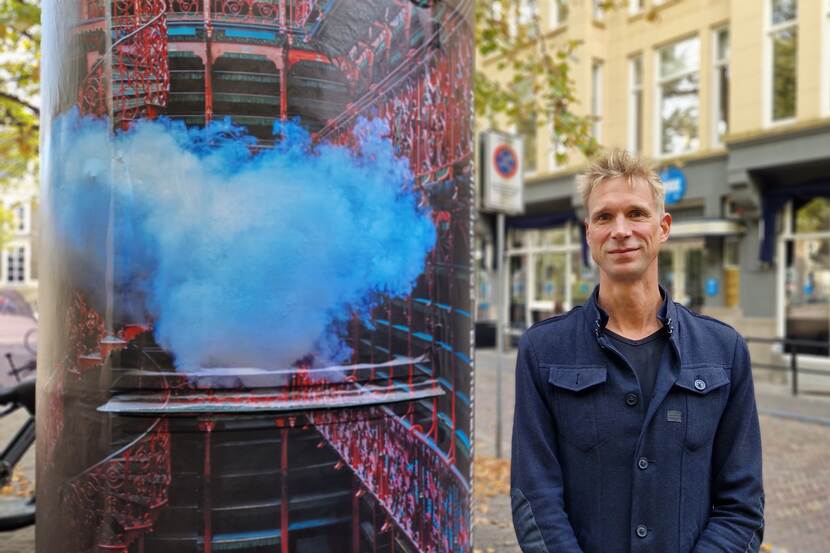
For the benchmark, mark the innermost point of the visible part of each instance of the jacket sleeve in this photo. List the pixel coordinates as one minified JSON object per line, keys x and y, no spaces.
{"x":536,"y":493}
{"x":736,"y":524}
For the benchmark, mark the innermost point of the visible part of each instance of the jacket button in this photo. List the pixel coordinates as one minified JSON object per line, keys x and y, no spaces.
{"x":700,"y":384}
{"x":642,"y":463}
{"x":642,"y":531}
{"x":632,"y":399}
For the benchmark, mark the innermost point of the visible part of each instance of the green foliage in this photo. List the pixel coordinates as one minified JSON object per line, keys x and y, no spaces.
{"x":19,"y":88}
{"x":540,"y":81}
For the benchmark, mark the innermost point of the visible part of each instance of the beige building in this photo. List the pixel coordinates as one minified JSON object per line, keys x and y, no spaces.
{"x":732,"y":98}
{"x":19,"y":263}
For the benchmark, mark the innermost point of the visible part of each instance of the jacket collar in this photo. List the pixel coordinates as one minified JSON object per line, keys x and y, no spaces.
{"x":597,"y":318}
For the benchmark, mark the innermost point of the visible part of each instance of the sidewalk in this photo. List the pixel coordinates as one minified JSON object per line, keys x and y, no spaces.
{"x":795,"y":433}
{"x":796,"y":440}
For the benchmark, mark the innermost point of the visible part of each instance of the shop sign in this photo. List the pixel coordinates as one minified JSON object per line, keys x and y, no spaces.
{"x":674,"y":184}
{"x":502,"y":182}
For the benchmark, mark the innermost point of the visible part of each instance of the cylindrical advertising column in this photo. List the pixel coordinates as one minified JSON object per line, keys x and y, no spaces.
{"x":256,"y":298}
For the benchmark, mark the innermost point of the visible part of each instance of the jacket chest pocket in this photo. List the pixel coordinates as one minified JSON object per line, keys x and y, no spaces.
{"x":577,"y":396}
{"x":705,"y":391}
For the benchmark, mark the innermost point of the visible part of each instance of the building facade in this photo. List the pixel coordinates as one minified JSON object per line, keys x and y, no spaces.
{"x":732,"y":99}
{"x":19,"y":263}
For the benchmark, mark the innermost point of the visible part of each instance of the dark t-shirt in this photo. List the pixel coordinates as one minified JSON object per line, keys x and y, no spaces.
{"x":644,"y":357}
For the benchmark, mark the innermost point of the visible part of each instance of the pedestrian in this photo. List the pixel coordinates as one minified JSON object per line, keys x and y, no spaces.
{"x":635,"y":426}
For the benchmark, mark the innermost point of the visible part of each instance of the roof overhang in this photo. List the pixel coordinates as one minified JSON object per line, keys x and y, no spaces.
{"x":706,"y":227}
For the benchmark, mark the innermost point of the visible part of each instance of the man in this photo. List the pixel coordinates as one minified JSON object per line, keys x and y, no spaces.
{"x":635,"y":426}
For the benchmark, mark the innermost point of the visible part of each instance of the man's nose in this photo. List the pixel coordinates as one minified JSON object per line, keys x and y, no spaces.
{"x":621,"y":228}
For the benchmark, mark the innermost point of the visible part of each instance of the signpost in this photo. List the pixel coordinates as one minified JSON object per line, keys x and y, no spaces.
{"x":502,"y":192}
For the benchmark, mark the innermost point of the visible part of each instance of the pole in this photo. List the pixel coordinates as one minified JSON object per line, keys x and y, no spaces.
{"x":499,"y":325}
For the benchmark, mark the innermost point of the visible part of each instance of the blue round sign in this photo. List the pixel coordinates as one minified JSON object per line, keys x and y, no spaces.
{"x":506,"y":161}
{"x":674,"y":184}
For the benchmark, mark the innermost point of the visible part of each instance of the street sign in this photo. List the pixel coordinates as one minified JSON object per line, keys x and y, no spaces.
{"x":674,"y":184}
{"x":502,"y":182}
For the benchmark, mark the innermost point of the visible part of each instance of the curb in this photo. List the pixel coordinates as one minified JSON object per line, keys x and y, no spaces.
{"x":795,"y":417}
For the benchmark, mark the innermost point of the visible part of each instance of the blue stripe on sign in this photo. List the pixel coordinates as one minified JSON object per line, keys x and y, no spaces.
{"x":250,"y":33}
{"x":181,"y":31}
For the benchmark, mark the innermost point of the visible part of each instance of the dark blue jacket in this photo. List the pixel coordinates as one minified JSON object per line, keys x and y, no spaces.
{"x":593,"y":472}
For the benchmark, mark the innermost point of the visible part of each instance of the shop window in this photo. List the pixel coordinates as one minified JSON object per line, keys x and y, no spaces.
{"x":814,"y":216}
{"x":782,"y":48}
{"x":678,"y":91}
{"x":550,"y":279}
{"x":582,"y":280}
{"x":807,"y":276}
{"x":635,"y":104}
{"x":721,"y":85}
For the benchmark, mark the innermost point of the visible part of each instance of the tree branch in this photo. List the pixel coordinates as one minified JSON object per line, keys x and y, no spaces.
{"x":20,"y":101}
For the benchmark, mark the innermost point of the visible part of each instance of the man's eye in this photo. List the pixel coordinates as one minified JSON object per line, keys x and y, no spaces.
{"x":638,"y":213}
{"x":602,"y":217}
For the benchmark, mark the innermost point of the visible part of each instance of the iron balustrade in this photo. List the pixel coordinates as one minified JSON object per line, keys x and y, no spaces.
{"x":791,"y":346}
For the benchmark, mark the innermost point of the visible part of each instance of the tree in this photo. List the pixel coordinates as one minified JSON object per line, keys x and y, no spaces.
{"x":540,"y":82}
{"x":19,"y":88}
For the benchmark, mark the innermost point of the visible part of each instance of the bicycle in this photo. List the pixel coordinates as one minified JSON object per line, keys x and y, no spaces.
{"x":17,"y":512}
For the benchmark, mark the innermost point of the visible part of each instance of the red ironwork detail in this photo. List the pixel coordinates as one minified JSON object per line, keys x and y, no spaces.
{"x":141,"y":77}
{"x":184,"y":6}
{"x":414,"y":482}
{"x":93,"y":93}
{"x":120,"y":496}
{"x":85,"y":331}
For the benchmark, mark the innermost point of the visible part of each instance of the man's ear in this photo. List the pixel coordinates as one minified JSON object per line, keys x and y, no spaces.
{"x":665,"y":226}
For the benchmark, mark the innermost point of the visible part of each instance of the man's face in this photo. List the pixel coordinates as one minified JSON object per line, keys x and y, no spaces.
{"x":625,"y":228}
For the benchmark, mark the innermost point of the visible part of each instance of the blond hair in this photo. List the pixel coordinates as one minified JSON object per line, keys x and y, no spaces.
{"x":618,"y":163}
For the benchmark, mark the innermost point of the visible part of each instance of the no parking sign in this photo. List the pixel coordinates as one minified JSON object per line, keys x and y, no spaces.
{"x":502,"y":175}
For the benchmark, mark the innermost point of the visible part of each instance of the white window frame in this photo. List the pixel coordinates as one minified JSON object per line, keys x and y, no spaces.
{"x":717,"y":64}
{"x":658,"y":96}
{"x":27,"y":263}
{"x":23,"y":223}
{"x":555,"y":15}
{"x":635,"y":119}
{"x":598,"y":12}
{"x":769,"y":31}
{"x":526,"y":10}
{"x":597,"y":98}
{"x":636,"y":6}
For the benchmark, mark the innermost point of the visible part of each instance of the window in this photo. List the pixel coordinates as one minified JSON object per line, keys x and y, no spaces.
{"x":636,"y":6}
{"x":527,"y":11}
{"x":526,"y":128}
{"x":635,"y":104}
{"x":559,"y":154}
{"x":20,"y":218}
{"x":599,"y":9}
{"x":558,"y":13}
{"x":596,"y":99}
{"x":782,"y":48}
{"x":15,"y":264}
{"x":678,"y":97}
{"x":721,"y":82}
